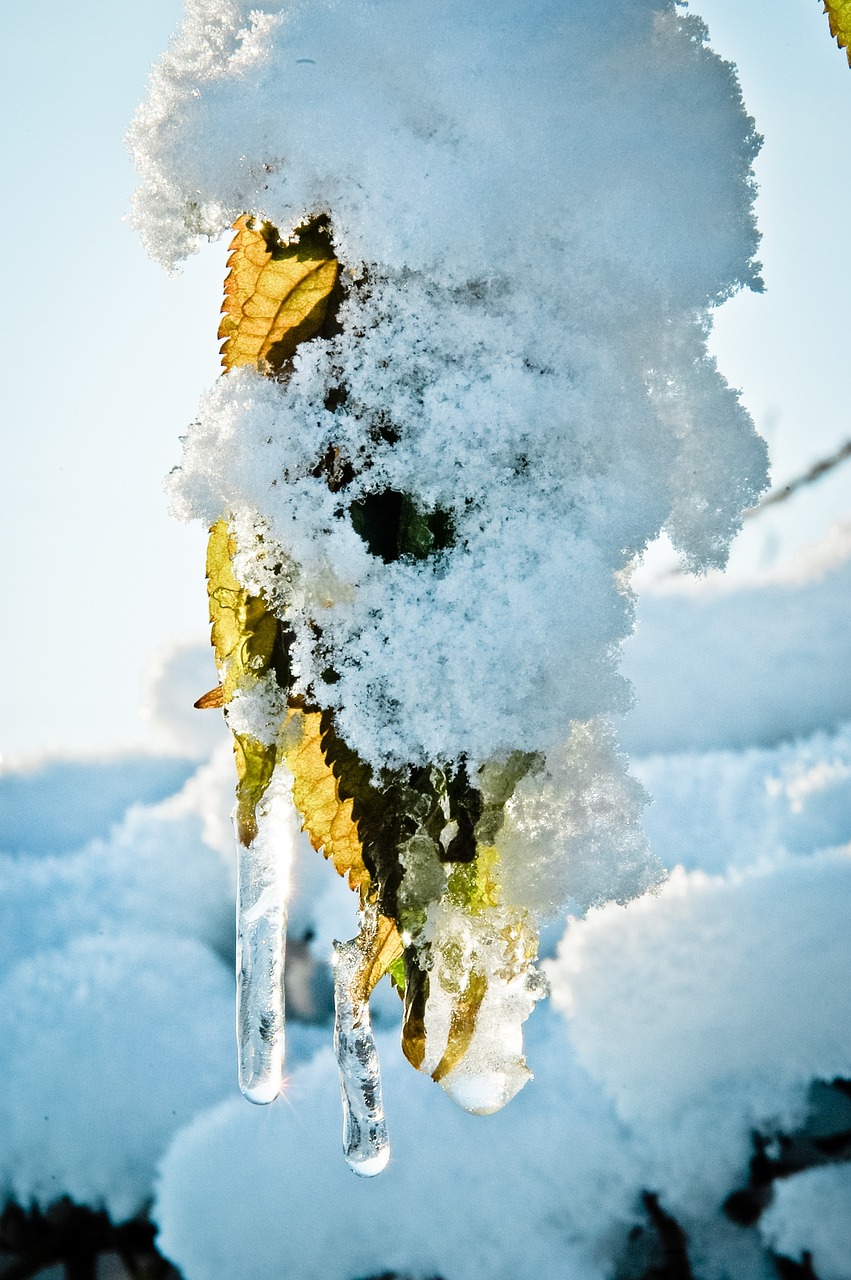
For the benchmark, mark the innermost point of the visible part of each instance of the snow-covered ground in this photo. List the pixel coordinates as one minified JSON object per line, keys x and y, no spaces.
{"x":678,"y":1026}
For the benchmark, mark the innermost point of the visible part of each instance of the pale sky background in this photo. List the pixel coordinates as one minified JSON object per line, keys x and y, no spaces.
{"x":104,"y":357}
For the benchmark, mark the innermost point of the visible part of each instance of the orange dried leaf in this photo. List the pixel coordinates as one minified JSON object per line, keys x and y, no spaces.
{"x":276,"y":295}
{"x":213,"y":698}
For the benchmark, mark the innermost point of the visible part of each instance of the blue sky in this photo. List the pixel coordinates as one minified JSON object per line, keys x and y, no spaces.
{"x":104,"y":356}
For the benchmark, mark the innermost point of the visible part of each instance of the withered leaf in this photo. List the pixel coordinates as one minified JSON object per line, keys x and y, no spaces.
{"x":243,"y":630}
{"x":213,"y":698}
{"x":384,"y":949}
{"x":326,"y":818}
{"x":276,"y":295}
{"x":255,"y":764}
{"x":465,"y":1012}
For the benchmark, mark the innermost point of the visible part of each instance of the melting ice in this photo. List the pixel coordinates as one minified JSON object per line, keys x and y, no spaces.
{"x":365,"y":1142}
{"x":260,"y":950}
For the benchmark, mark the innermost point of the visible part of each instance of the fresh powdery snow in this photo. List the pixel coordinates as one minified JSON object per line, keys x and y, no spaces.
{"x":653,"y":992}
{"x":535,"y":206}
{"x":726,"y":808}
{"x":546,"y":1188}
{"x":721,"y":664}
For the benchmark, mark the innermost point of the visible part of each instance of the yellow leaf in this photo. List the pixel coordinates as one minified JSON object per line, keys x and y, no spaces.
{"x":276,"y":295}
{"x":244,"y":634}
{"x":242,"y":628}
{"x":839,"y":16}
{"x":413,"y":1018}
{"x":384,"y":947}
{"x":255,"y":764}
{"x":326,"y":818}
{"x":465,"y":1011}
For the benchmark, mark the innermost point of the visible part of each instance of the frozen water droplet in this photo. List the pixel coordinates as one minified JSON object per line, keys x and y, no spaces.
{"x":365,"y":1141}
{"x":484,"y":1092}
{"x":260,"y":945}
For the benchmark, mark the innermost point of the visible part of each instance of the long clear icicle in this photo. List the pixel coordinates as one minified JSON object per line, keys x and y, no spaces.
{"x":261,"y":911}
{"x":365,"y":1142}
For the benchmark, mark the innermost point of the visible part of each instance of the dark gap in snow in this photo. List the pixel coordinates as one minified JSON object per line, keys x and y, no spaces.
{"x":75,"y":1238}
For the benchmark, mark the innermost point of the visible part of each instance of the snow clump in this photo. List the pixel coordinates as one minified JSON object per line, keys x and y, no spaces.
{"x":535,"y":207}
{"x":811,"y":1213}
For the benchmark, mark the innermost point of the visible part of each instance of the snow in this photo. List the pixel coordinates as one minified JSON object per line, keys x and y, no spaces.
{"x":517,"y":1195}
{"x":116,"y":980}
{"x":108,"y":1047}
{"x":653,"y":995}
{"x":52,"y":804}
{"x":540,"y":356}
{"x":653,"y":1076}
{"x":683,"y":1021}
{"x":154,"y":873}
{"x":403,"y":122}
{"x":572,"y":832}
{"x":743,"y":664}
{"x":728,"y":808}
{"x":811,"y":1212}
{"x":549,"y":199}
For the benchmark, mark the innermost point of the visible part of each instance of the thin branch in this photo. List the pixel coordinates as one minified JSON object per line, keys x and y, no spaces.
{"x":816,"y":471}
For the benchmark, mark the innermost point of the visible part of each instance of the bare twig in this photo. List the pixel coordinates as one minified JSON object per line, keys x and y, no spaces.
{"x":816,"y":471}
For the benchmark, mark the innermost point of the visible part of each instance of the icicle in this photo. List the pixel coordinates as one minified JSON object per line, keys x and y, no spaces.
{"x":365,"y":1141}
{"x":260,"y":943}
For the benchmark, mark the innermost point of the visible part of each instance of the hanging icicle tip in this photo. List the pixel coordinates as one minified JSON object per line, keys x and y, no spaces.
{"x":366,"y":1145}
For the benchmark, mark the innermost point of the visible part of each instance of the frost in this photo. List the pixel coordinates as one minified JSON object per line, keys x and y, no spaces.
{"x":572,"y":831}
{"x":258,"y":712}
